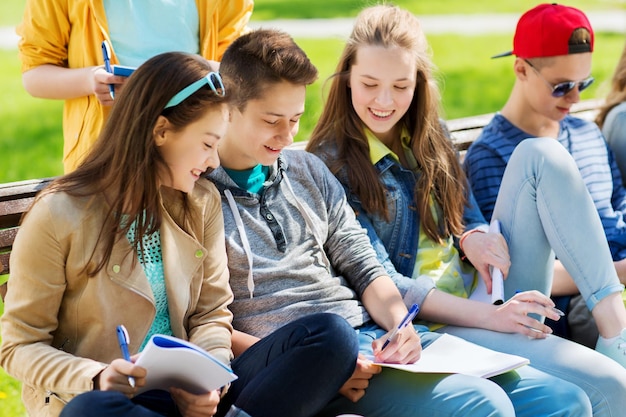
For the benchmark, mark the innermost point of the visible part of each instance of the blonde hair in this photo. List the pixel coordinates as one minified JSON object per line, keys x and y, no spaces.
{"x":617,"y":94}
{"x":440,"y":174}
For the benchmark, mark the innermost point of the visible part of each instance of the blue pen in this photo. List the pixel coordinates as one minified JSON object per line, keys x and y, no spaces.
{"x":123,"y":339}
{"x":106,"y":54}
{"x":405,"y":321}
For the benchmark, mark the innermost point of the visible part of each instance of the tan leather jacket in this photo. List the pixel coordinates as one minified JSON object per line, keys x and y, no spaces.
{"x":59,"y":325}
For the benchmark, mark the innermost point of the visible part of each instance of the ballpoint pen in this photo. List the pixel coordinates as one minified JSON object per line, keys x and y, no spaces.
{"x":123,"y":339}
{"x":405,"y":321}
{"x":106,"y":54}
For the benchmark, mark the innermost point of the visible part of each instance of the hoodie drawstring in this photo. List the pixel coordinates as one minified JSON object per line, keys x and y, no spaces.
{"x":244,"y":238}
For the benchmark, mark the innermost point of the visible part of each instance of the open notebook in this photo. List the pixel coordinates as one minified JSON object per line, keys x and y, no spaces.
{"x":173,"y":362}
{"x":453,"y":355}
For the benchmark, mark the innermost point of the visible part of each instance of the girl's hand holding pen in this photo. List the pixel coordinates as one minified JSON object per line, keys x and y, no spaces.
{"x":484,"y":249}
{"x":399,"y":344}
{"x":405,"y":347}
{"x":115,"y":376}
{"x":513,"y":315}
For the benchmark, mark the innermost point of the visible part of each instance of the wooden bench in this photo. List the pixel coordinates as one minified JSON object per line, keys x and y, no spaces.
{"x":16,"y":197}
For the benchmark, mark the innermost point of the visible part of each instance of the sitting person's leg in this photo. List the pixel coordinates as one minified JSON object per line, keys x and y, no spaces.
{"x":544,"y":205}
{"x":601,"y":378}
{"x":399,"y":393}
{"x":545,"y":209}
{"x":296,"y":370}
{"x":113,"y":403}
{"x":405,"y":394}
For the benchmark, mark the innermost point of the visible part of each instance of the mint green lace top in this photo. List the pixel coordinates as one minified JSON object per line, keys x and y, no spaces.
{"x":152,"y":262}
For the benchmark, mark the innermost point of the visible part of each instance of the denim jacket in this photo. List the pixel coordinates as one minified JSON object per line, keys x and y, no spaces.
{"x":396,"y":241}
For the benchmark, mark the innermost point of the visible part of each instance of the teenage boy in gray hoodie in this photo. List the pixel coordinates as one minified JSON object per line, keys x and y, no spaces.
{"x":295,"y":248}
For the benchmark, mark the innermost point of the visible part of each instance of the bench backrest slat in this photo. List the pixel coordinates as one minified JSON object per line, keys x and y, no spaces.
{"x":15,"y":199}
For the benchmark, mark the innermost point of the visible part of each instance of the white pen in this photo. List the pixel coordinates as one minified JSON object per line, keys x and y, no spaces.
{"x":405,"y":321}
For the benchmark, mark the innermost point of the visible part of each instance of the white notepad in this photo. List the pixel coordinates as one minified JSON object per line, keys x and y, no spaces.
{"x":173,"y":362}
{"x":453,"y":355}
{"x":497,"y":280}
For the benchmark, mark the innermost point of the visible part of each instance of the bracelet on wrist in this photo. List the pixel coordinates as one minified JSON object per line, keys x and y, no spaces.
{"x":465,"y":235}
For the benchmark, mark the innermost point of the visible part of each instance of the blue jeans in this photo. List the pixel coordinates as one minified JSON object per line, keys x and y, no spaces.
{"x":293,"y":372}
{"x":525,"y":392}
{"x":538,"y":219}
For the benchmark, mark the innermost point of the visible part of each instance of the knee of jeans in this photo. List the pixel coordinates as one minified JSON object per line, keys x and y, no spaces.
{"x":570,"y":400}
{"x":545,"y":152}
{"x":85,"y":403}
{"x":540,"y":146}
{"x":339,"y":330}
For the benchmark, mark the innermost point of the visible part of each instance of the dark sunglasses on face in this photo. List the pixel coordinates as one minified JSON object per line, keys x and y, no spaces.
{"x":561,"y":89}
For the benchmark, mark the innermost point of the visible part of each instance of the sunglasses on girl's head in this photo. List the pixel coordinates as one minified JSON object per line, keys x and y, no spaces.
{"x":561,"y":89}
{"x":212,"y":79}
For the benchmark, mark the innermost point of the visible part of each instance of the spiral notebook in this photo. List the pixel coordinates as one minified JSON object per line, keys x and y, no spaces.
{"x":173,"y":362}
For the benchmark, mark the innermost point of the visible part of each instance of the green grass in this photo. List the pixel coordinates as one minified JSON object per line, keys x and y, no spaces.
{"x":11,"y":10}
{"x":289,"y":9}
{"x":30,"y":128}
{"x":10,"y":390}
{"x":470,"y":81}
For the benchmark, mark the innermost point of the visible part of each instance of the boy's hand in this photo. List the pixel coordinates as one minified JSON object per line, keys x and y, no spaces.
{"x":354,"y":388}
{"x":191,"y":405}
{"x":101,"y":81}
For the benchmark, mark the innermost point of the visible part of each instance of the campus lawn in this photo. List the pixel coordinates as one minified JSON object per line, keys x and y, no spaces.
{"x":11,"y":10}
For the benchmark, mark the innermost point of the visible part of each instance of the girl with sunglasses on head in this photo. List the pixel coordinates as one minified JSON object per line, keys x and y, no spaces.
{"x":135,"y":237}
{"x":381,"y":135}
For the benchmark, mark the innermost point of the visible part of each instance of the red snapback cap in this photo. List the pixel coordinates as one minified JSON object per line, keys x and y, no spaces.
{"x":545,"y":31}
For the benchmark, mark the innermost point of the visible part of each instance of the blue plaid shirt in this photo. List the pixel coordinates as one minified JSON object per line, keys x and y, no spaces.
{"x":487,"y":157}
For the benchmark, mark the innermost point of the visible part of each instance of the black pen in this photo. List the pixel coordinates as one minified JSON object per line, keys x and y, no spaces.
{"x":405,"y":321}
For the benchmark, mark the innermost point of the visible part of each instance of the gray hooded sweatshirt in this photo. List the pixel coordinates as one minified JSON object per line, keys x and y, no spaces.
{"x":278,"y":236}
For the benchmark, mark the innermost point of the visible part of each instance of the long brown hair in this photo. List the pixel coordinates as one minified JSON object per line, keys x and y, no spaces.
{"x":124,"y":162}
{"x":617,"y":94}
{"x":440,"y":174}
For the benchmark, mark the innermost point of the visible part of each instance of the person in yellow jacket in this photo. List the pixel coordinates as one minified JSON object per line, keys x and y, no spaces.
{"x":61,"y":50}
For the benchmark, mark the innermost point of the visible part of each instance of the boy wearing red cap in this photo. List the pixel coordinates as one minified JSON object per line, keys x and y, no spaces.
{"x":552,"y":48}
